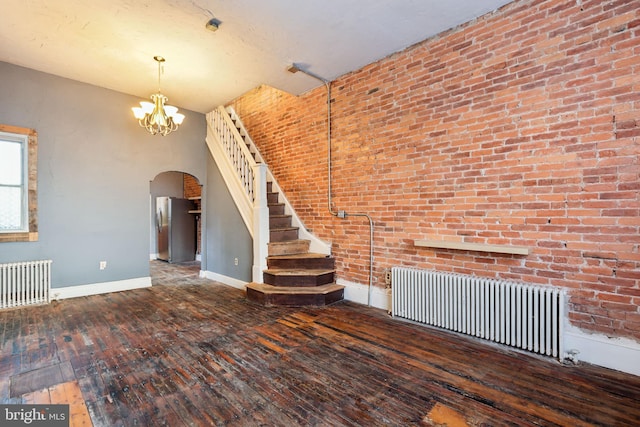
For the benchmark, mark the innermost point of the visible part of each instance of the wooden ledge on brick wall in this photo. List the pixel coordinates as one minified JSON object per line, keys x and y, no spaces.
{"x":478,"y":247}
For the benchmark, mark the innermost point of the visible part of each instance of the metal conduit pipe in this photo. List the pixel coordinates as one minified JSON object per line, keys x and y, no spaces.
{"x":294,"y":68}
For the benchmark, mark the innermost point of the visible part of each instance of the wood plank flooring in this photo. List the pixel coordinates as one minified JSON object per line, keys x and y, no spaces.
{"x":191,"y":352}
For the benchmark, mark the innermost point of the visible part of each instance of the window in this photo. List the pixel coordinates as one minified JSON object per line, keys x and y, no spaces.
{"x":18,"y":197}
{"x":13,"y":183}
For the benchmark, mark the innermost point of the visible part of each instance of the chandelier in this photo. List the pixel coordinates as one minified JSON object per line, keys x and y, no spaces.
{"x":156,"y":117}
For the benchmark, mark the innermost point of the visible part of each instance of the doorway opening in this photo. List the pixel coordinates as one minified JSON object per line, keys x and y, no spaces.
{"x":176,"y":226}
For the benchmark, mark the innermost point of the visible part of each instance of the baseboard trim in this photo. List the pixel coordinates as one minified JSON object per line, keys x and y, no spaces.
{"x":621,"y":354}
{"x":229,"y":281}
{"x":100,"y":288}
{"x":355,"y":292}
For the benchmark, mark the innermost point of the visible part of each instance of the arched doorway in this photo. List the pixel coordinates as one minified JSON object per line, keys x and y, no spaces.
{"x":175,"y":233}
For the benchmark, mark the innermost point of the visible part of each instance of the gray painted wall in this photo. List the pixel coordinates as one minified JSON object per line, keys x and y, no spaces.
{"x":95,"y":165}
{"x":225,"y":235}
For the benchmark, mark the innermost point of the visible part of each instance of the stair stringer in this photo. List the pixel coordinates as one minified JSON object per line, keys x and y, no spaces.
{"x":317,"y":245}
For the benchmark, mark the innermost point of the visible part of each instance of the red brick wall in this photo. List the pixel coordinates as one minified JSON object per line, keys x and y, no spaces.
{"x":520,"y":128}
{"x":192,"y":189}
{"x":191,"y":186}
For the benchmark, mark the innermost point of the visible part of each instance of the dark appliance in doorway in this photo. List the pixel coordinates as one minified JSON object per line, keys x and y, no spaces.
{"x":176,"y":229}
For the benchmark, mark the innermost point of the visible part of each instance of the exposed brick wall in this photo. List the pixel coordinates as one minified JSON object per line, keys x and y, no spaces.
{"x":191,"y":189}
{"x":191,"y":186}
{"x":519,"y":128}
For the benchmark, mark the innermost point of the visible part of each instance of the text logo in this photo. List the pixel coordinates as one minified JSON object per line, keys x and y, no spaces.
{"x":34,"y":415}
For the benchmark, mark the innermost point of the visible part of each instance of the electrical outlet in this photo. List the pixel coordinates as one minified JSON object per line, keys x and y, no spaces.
{"x":235,"y":261}
{"x":103,"y":265}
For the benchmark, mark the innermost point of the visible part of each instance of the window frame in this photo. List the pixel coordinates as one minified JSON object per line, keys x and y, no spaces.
{"x":30,"y":233}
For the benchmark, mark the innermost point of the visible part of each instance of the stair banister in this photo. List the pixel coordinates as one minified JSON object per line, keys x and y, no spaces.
{"x":235,"y":148}
{"x":216,"y":135}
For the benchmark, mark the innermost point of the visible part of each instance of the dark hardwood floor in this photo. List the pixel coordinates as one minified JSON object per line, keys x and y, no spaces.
{"x":189,"y":351}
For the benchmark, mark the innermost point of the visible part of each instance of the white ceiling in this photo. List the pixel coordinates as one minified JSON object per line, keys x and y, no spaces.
{"x":111,"y":43}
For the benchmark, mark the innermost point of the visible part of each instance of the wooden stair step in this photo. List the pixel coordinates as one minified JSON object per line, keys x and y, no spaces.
{"x":284,"y":228}
{"x":297,"y":261}
{"x":276,"y":208}
{"x":272,"y":198}
{"x":298,"y":278}
{"x":289,"y":247}
{"x":304,"y":255}
{"x":276,"y":221}
{"x":283,"y":234}
{"x":268,"y":295}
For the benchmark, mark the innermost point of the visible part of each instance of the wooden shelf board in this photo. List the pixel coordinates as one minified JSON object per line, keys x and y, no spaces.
{"x":479,"y":247}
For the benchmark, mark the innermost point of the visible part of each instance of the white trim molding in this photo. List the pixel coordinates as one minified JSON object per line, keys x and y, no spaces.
{"x":100,"y":288}
{"x":621,"y":354}
{"x":225,"y":280}
{"x":358,"y":293}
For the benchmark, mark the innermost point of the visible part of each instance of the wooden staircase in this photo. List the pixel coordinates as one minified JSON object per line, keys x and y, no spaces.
{"x":294,"y":276}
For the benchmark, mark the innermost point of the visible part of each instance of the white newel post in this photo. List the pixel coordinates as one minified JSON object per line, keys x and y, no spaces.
{"x":260,"y":221}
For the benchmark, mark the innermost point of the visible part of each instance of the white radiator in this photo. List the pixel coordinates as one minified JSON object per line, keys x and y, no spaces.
{"x":523,"y":316}
{"x":25,"y":283}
